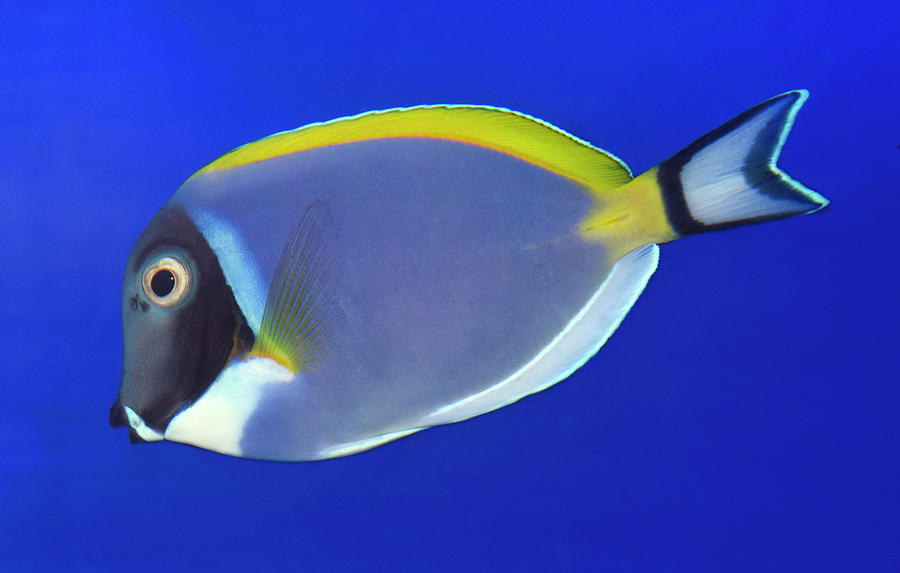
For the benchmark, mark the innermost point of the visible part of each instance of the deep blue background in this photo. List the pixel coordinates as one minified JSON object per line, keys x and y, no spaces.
{"x":746,"y":416}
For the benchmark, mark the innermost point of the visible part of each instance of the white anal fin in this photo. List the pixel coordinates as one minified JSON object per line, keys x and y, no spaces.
{"x":582,"y":337}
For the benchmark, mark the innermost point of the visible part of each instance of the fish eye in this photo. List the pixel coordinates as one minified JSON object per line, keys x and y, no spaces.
{"x":166,"y":281}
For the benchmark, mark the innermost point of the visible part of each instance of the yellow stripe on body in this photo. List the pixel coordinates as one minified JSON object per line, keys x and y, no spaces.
{"x":629,"y":216}
{"x":510,"y":132}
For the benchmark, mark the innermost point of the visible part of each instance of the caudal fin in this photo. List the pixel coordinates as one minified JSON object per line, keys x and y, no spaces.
{"x":728,"y":177}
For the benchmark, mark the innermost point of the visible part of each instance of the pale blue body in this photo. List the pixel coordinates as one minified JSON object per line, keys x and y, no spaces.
{"x":458,"y":265}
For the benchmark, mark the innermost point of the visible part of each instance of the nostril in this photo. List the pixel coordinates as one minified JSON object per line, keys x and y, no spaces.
{"x":117,"y":416}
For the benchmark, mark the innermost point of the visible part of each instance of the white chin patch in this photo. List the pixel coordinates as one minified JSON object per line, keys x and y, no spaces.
{"x":217,"y":419}
{"x":143,"y":431}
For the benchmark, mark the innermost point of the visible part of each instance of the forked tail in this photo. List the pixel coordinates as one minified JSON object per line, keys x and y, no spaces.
{"x":728,"y":177}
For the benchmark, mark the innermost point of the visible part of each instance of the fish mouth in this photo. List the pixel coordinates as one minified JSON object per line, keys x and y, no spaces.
{"x":138,"y":430}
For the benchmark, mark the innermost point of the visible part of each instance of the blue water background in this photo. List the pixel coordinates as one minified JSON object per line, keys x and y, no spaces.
{"x":745,"y":417}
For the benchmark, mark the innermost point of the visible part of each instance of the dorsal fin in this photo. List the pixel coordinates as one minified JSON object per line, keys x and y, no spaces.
{"x":301,"y":307}
{"x":514,"y":133}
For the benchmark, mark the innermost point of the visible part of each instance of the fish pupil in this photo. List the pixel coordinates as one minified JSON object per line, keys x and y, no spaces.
{"x":162,"y":283}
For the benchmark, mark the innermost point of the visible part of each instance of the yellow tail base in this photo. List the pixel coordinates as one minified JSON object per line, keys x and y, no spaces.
{"x":627,"y":217}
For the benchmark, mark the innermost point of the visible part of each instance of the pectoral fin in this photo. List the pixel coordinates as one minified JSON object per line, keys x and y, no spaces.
{"x":301,"y":307}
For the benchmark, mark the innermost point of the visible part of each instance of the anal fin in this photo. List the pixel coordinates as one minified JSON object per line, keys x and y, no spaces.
{"x":586,"y":332}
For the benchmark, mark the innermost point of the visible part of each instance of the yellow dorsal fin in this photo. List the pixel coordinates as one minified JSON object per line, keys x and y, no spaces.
{"x":514,"y":133}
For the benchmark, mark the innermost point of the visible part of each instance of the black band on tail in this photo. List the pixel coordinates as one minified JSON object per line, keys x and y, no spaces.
{"x":668,"y":175}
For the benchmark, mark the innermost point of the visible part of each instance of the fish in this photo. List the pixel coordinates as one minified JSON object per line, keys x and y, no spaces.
{"x":329,"y":289}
